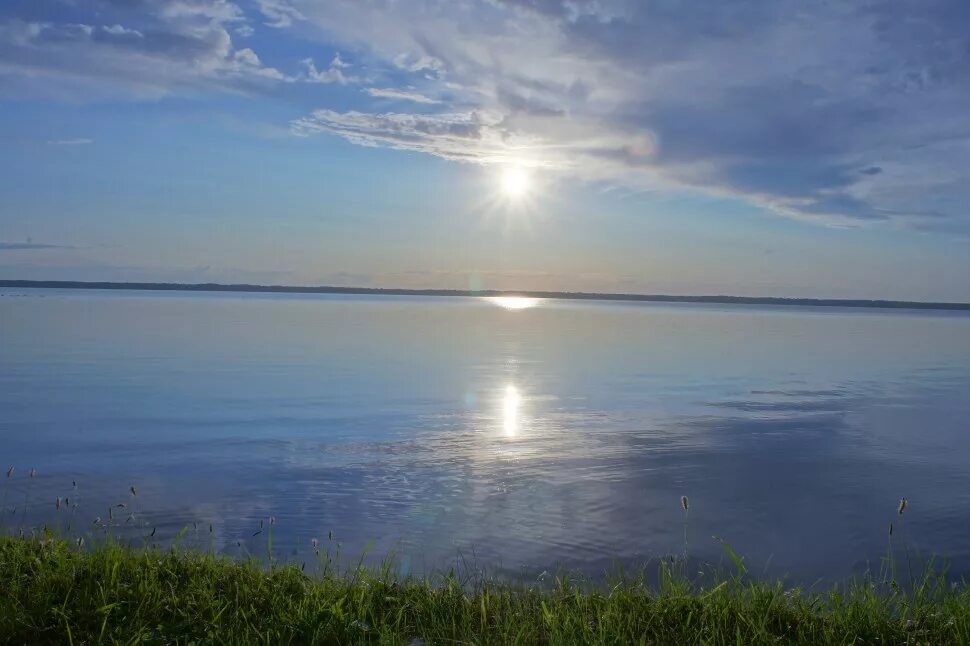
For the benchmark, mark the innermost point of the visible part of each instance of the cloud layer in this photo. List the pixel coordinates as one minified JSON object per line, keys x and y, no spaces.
{"x":131,"y":46}
{"x":30,"y":245}
{"x":842,"y":112}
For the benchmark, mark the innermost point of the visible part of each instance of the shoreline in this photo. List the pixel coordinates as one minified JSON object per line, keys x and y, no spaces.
{"x":56,"y":590}
{"x":588,"y":296}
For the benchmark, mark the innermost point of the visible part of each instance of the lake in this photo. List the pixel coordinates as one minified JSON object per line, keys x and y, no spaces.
{"x":517,"y":440}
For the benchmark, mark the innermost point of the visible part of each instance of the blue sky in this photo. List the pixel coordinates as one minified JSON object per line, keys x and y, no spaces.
{"x":771,"y":148}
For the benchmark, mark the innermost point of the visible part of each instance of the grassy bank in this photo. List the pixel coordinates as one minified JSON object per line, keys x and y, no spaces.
{"x":57,"y":592}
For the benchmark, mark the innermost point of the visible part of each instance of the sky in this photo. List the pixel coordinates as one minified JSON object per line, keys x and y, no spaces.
{"x":776,"y":147}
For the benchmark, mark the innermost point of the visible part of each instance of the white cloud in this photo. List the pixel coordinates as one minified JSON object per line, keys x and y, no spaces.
{"x":167,"y":46}
{"x":783,"y":104}
{"x":279,"y":13}
{"x":339,"y":62}
{"x":333,"y":74}
{"x":118,"y":30}
{"x":458,"y":136}
{"x":488,"y":137}
{"x":221,"y":11}
{"x":406,"y":94}
{"x":245,"y":62}
{"x":419,"y":63}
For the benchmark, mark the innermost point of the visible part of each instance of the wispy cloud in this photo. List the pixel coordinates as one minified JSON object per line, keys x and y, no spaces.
{"x":140,"y":48}
{"x":573,"y":147}
{"x":458,"y":136}
{"x":788,"y":106}
{"x":70,"y":142}
{"x":279,"y":13}
{"x":428,"y":65}
{"x":23,"y":246}
{"x":850,"y":112}
{"x":405,"y":94}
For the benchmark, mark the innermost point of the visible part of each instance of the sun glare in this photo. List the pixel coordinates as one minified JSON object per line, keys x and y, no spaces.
{"x":513,"y":302}
{"x":510,"y":410}
{"x":516,"y":182}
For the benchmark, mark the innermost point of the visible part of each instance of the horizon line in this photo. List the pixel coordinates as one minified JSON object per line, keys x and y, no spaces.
{"x":401,"y":291}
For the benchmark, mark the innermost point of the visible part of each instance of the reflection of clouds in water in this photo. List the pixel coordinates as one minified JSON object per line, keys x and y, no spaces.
{"x":582,"y":487}
{"x":785,"y":428}
{"x":578,"y":486}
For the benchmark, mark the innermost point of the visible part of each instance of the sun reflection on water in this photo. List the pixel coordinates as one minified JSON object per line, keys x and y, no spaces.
{"x":513,"y":302}
{"x":511,"y":401}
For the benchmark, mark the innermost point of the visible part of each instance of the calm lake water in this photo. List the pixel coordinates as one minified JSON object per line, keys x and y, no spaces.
{"x":520,"y":440}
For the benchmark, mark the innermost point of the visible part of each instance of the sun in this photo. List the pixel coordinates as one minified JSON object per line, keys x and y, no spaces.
{"x":515,"y":189}
{"x":515,"y":183}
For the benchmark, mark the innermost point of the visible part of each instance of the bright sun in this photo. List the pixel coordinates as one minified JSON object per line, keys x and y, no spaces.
{"x":516,"y":183}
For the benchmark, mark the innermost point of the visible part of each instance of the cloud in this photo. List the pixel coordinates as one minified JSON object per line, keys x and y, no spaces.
{"x":406,"y":94}
{"x":567,"y":147}
{"x":118,"y":30}
{"x":134,"y":47}
{"x":220,"y":11}
{"x":24,"y":246}
{"x":847,"y":112}
{"x":279,"y":13}
{"x":70,"y":142}
{"x":93,"y":270}
{"x":792,"y":107}
{"x":333,"y":74}
{"x":458,"y":136}
{"x":429,"y":65}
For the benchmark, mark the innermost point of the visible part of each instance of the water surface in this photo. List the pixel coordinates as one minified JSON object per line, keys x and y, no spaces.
{"x":558,"y":435}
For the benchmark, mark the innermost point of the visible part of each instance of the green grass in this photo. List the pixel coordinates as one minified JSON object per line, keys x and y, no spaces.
{"x":53,"y":591}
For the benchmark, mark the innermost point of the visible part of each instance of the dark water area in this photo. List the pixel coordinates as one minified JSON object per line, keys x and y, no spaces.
{"x":557,"y":435}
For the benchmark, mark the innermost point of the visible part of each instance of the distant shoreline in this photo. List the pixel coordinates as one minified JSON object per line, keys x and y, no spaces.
{"x":591,"y":296}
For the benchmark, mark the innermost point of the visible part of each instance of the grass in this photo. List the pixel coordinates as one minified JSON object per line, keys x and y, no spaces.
{"x":55,"y":591}
{"x":96,"y":585}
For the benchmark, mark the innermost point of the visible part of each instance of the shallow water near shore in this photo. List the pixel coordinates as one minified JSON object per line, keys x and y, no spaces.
{"x":522,"y":439}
